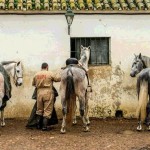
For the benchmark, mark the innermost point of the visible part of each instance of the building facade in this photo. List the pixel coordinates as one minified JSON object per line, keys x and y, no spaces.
{"x":42,"y":36}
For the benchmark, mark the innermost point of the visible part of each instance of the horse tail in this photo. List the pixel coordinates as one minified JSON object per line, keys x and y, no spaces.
{"x":69,"y":87}
{"x":70,"y":96}
{"x":142,"y":87}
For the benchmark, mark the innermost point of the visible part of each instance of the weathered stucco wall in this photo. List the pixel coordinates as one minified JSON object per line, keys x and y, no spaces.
{"x":38,"y":38}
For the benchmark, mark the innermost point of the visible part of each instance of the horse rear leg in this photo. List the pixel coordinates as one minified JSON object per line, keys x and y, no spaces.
{"x":74,"y":111}
{"x":64,"y":111}
{"x":83,"y":113}
{"x":139,"y":127}
{"x":2,"y":118}
{"x":86,"y":111}
{"x":74,"y":115}
{"x":63,"y":126}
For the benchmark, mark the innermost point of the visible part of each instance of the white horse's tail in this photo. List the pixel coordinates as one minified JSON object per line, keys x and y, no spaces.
{"x":143,"y":99}
{"x":70,"y":97}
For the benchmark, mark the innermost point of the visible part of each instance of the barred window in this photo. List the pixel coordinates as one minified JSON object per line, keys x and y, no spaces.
{"x":99,"y":49}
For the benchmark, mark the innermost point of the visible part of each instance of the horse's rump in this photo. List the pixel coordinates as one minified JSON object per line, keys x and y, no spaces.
{"x":78,"y":77}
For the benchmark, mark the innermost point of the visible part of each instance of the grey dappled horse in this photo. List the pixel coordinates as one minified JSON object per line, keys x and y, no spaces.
{"x":141,"y":66}
{"x":16,"y":71}
{"x":74,"y":83}
{"x":139,"y":63}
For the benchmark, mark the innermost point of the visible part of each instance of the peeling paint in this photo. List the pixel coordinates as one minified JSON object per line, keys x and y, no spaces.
{"x":108,"y":91}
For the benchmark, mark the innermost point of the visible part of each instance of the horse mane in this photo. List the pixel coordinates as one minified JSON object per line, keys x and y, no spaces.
{"x":83,"y":59}
{"x":7,"y":62}
{"x":3,"y":63}
{"x":146,"y":60}
{"x":144,"y":75}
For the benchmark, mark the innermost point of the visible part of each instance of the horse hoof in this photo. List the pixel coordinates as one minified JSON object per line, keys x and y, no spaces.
{"x":148,"y":129}
{"x":3,"y":124}
{"x":86,"y":129}
{"x":62,"y":131}
{"x":88,"y":122}
{"x":74,"y":122}
{"x":139,"y":128}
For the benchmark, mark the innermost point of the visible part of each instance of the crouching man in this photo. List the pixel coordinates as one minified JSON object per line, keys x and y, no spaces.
{"x":43,"y":81}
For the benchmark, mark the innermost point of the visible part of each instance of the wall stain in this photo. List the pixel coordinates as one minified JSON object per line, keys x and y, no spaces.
{"x":109,"y":91}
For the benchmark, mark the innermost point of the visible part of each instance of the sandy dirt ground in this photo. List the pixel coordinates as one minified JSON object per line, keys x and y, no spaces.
{"x":108,"y":134}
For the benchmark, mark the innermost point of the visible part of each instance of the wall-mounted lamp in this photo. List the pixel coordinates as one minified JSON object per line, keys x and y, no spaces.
{"x":69,"y":17}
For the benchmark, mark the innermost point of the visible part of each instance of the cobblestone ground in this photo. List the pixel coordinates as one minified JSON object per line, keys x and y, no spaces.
{"x":108,"y":134}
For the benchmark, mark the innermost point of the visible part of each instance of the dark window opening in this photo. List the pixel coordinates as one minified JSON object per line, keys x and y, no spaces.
{"x":99,"y":49}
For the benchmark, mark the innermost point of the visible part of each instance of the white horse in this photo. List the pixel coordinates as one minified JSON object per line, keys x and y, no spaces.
{"x":7,"y":68}
{"x":84,"y":59}
{"x":74,"y":83}
{"x":140,"y":67}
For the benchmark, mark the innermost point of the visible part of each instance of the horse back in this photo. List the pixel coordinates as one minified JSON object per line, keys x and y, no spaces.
{"x":78,"y":76}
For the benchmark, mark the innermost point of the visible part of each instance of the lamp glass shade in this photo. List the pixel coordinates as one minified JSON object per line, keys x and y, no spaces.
{"x":69,"y":16}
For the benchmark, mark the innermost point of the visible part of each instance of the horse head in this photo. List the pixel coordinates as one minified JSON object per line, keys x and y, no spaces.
{"x":137,"y":65}
{"x":18,"y":74}
{"x":15,"y":69}
{"x":84,"y":56}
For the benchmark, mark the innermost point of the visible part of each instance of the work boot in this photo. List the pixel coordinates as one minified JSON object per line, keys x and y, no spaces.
{"x":39,"y":120}
{"x":45,"y":122}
